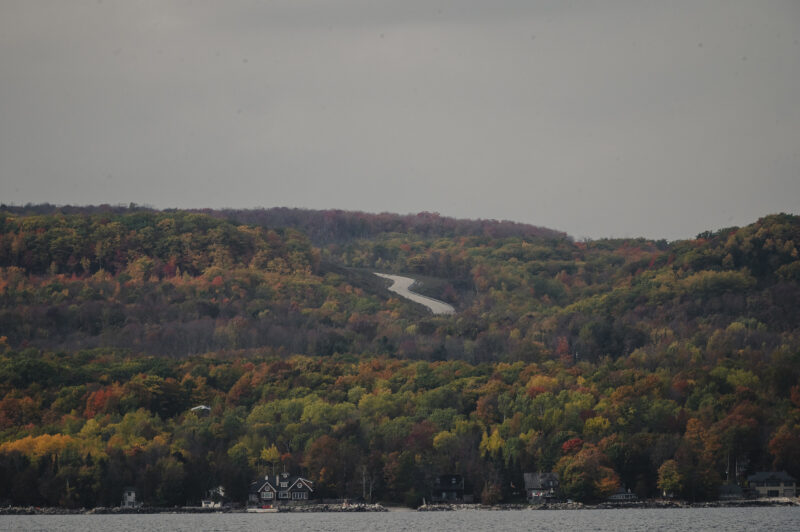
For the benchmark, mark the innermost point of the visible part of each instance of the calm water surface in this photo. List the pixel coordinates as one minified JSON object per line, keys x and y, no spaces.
{"x":761,"y":519}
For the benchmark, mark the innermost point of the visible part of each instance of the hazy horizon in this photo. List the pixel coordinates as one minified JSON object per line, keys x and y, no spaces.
{"x":620,"y":119}
{"x":413,"y":213}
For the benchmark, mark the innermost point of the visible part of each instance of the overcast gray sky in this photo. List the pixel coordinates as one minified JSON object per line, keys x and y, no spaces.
{"x":658,"y":119}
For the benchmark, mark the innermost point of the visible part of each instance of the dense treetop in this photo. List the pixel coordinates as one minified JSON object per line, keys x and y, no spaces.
{"x":648,"y":364}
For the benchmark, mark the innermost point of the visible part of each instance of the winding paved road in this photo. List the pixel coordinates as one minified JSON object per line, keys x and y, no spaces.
{"x":401,"y":285}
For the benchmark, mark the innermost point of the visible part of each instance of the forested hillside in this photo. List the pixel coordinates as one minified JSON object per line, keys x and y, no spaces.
{"x":613,"y":362}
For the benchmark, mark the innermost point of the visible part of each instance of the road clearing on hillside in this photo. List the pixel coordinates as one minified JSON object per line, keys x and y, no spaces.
{"x":401,"y":286}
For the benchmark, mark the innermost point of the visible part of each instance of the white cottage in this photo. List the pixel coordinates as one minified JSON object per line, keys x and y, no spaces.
{"x":129,"y":498}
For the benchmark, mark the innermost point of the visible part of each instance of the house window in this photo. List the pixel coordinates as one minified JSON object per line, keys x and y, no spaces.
{"x":299,"y":495}
{"x":267,"y":495}
{"x":773,"y":493}
{"x":284,"y":484}
{"x":283,"y":495}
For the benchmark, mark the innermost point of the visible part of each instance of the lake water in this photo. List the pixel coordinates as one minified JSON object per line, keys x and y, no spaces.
{"x":651,"y":520}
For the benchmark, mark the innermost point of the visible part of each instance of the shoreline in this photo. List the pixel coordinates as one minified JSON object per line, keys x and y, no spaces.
{"x":338,"y":508}
{"x":153,"y":510}
{"x":646,"y":504}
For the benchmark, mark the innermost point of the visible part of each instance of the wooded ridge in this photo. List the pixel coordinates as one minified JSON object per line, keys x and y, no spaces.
{"x":648,"y":364}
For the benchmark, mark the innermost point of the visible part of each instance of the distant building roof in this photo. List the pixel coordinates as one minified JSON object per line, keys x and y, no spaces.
{"x":537,"y":481}
{"x":200,"y":408}
{"x":274,"y":483}
{"x":763,"y":476}
{"x":449,"y":480}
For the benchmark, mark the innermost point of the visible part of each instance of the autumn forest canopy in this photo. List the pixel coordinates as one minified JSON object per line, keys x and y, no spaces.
{"x":653,"y":365}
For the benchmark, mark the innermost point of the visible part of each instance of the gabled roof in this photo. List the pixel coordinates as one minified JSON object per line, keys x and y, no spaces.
{"x":259,"y":485}
{"x":273,"y":483}
{"x":303,"y":483}
{"x":763,"y":476}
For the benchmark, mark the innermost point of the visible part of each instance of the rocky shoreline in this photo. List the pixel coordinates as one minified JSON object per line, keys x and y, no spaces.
{"x":358,"y":507}
{"x":101,"y":510}
{"x":362,"y":507}
{"x":648,"y":504}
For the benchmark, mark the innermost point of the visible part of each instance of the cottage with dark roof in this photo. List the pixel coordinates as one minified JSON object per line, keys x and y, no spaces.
{"x":541,"y":487}
{"x":622,"y":495}
{"x":447,"y":488}
{"x":215,"y":498}
{"x":279,"y":489}
{"x":773,"y":484}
